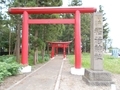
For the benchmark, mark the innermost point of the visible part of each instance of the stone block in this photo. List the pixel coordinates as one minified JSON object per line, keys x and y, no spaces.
{"x":97,"y":78}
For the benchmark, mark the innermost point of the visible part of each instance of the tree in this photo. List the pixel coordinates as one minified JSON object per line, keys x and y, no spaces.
{"x":4,"y":27}
{"x":76,"y":3}
{"x":68,"y":33}
{"x":105,"y":27}
{"x":48,"y":32}
{"x":42,"y":33}
{"x":85,"y":32}
{"x":16,"y":26}
{"x":85,"y":28}
{"x":39,"y":34}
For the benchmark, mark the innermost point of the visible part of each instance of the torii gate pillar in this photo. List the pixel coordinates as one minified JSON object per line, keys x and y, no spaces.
{"x":78,"y":70}
{"x":25,"y":42}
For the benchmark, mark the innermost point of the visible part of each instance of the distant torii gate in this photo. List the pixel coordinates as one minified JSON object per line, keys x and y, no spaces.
{"x":55,"y":45}
{"x":50,"y":10}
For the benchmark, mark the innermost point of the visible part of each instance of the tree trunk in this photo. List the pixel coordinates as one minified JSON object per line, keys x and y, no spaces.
{"x":10,"y":42}
{"x":47,"y":48}
{"x":36,"y":49}
{"x":85,"y":49}
{"x":14,"y":51}
{"x":68,"y":50}
{"x":18,"y":44}
{"x":36,"y":56}
{"x":43,"y":37}
{"x":42,"y":53}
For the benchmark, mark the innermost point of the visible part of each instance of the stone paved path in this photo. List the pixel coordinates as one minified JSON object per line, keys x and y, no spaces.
{"x":44,"y":78}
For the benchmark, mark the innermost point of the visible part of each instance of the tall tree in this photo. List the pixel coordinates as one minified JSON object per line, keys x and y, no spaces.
{"x":42,"y":33}
{"x":39,"y":34}
{"x":4,"y":26}
{"x":85,"y":32}
{"x":16,"y":25}
{"x":68,"y":33}
{"x":85,"y":27}
{"x":49,"y":32}
{"x":105,"y":27}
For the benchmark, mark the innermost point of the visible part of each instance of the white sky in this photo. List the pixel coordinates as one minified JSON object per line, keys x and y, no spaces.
{"x":111,"y":8}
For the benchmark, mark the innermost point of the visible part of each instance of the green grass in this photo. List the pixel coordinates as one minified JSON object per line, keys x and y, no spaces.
{"x":109,"y":63}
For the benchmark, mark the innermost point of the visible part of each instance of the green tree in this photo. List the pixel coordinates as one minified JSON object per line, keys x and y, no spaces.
{"x":85,"y":32}
{"x":105,"y":27}
{"x":16,"y":25}
{"x":4,"y":26}
{"x":85,"y":28}
{"x":49,"y":32}
{"x":39,"y":34}
{"x":68,"y":33}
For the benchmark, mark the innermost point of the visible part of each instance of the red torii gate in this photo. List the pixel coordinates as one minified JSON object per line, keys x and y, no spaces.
{"x":50,"y":10}
{"x":55,"y":45}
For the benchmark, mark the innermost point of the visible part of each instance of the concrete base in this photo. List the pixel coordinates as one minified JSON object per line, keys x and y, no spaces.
{"x":52,"y":58}
{"x":26,"y":69}
{"x":113,"y":87}
{"x":77,"y":71}
{"x":97,"y":78}
{"x":64,"y":58}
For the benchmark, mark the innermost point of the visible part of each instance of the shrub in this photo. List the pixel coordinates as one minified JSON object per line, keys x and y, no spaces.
{"x":8,"y":66}
{"x":13,"y":68}
{"x":3,"y":71}
{"x":7,"y":58}
{"x":47,"y":57}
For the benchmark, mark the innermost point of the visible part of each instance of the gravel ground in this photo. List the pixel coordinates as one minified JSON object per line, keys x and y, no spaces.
{"x":67,"y":80}
{"x":75,"y":82}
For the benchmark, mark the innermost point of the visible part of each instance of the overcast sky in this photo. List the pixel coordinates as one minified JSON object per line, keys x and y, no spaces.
{"x":111,"y":8}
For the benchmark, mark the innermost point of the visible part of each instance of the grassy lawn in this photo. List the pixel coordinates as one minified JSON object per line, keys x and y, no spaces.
{"x":110,"y":63}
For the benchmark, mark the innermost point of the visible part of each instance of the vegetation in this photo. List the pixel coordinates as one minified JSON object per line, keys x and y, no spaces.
{"x":39,"y":34}
{"x":8,"y":67}
{"x":40,"y":59}
{"x":110,"y":63}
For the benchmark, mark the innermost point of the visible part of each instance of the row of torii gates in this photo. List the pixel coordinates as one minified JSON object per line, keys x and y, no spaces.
{"x":77,"y":10}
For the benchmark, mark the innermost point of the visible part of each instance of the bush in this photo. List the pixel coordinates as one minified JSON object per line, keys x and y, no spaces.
{"x":3,"y":71}
{"x":14,"y":68}
{"x":31,"y":60}
{"x":7,"y":59}
{"x":47,"y":57}
{"x":8,"y":66}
